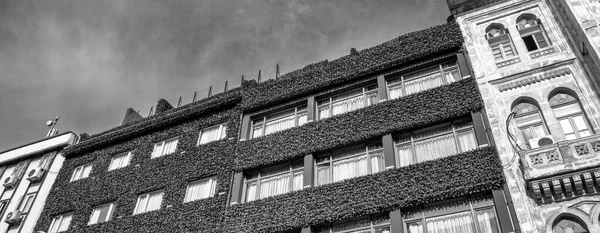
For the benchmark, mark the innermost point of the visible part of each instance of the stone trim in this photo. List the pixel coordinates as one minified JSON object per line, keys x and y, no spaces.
{"x":508,"y":62}
{"x":534,"y":79}
{"x":565,"y":187}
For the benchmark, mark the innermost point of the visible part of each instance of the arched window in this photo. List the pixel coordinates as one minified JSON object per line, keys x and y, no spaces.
{"x":499,"y":39}
{"x":529,"y":120}
{"x":568,"y":225}
{"x":532,"y":32}
{"x":568,"y":112}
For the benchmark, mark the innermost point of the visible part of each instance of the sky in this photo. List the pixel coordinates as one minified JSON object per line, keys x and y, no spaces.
{"x":87,"y":61}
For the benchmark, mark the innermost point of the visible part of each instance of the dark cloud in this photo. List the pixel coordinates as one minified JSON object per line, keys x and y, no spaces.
{"x":88,"y":60}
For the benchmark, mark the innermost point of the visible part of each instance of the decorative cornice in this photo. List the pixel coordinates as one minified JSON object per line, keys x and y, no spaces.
{"x":508,"y":62}
{"x":534,"y":79}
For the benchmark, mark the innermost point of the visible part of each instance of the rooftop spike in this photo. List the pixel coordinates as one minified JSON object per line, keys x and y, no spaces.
{"x":209,"y":91}
{"x":179,"y":102}
{"x":277,"y":71}
{"x":151,"y":111}
{"x":225,"y":86}
{"x":195,"y":96}
{"x":259,"y":71}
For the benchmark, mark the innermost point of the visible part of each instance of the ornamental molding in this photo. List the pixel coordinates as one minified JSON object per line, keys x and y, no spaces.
{"x":531,"y":79}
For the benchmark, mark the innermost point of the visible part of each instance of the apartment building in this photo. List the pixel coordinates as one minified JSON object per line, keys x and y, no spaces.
{"x":27,"y":173}
{"x":392,"y":138}
{"x":540,"y":94}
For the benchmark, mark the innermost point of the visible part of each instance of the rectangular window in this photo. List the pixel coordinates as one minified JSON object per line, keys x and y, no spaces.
{"x":27,"y":202}
{"x":534,"y":38}
{"x":81,"y":172}
{"x":119,"y":161}
{"x":164,"y":147}
{"x":274,"y":180}
{"x":424,"y":79}
{"x":377,"y":223}
{"x":212,"y":133}
{"x":102,"y":213}
{"x":502,"y":47}
{"x":148,"y":202}
{"x":351,"y":162}
{"x":348,"y":101}
{"x":279,"y":121}
{"x":200,"y":189}
{"x":472,"y":217}
{"x":3,"y":205}
{"x":435,"y":142}
{"x":60,"y":223}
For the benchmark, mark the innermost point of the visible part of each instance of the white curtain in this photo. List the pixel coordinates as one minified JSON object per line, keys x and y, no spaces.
{"x":348,"y":105}
{"x":323,"y":174}
{"x":141,"y":204}
{"x":209,"y":135}
{"x":154,"y":201}
{"x":87,"y":169}
{"x":372,"y":98}
{"x":467,"y":140}
{"x":250,"y":191}
{"x":280,"y":124}
{"x":454,"y":223}
{"x":298,"y":181}
{"x":158,"y":148}
{"x":424,"y":83}
{"x":200,"y":190}
{"x":435,"y":148}
{"x":405,"y":155}
{"x":415,"y":228}
{"x":170,"y":146}
{"x":452,"y":75}
{"x":377,"y":162}
{"x":64,"y":223}
{"x":274,"y":185}
{"x":486,"y":219}
{"x":350,"y":167}
{"x":95,"y":215}
{"x":395,"y":91}
{"x":119,"y":161}
{"x":257,"y":131}
{"x":302,"y":118}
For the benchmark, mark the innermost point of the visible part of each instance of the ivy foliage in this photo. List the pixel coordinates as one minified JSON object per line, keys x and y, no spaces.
{"x":406,"y":49}
{"x":403,"y":114}
{"x":455,"y":176}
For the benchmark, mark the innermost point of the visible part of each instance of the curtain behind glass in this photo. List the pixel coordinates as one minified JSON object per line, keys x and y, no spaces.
{"x":65,"y":222}
{"x":348,"y":105}
{"x":251,"y":191}
{"x":395,"y":91}
{"x":467,"y":140}
{"x":209,"y":135}
{"x":423,"y":83}
{"x":274,"y":185}
{"x":351,"y":167}
{"x":298,"y":180}
{"x":377,"y":162}
{"x":200,"y":190}
{"x":141,"y":204}
{"x":405,"y":155}
{"x":416,"y":227}
{"x":434,"y":148}
{"x":87,"y":169}
{"x":486,"y":219}
{"x":154,"y":201}
{"x":119,"y":161}
{"x":95,"y":215}
{"x":323,"y":174}
{"x":323,"y":111}
{"x":454,"y":223}
{"x":280,"y":124}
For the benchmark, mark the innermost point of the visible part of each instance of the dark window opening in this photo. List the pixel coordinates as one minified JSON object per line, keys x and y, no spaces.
{"x":530,"y":43}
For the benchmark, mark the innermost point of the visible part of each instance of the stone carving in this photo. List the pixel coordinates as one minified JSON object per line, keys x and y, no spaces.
{"x":581,"y":149}
{"x":534,"y":79}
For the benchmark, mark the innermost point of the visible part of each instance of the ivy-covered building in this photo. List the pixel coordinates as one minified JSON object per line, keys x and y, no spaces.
{"x":392,"y":138}
{"x":538,"y":81}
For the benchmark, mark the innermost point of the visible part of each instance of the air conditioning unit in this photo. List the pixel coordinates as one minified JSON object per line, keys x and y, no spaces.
{"x":35,"y":174}
{"x":541,"y":141}
{"x":10,"y":181}
{"x":13,"y":217}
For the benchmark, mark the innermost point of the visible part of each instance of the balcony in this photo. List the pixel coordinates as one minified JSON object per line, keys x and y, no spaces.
{"x":563,"y":170}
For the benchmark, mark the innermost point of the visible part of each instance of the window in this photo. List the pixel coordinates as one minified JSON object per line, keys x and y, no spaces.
{"x":3,"y":205}
{"x":279,"y":121}
{"x":567,"y":110}
{"x":348,"y":101}
{"x":213,"y":133}
{"x":274,"y":180}
{"x":569,"y":224}
{"x":472,"y":217}
{"x":424,"y":79}
{"x":102,"y":213}
{"x":377,"y":223}
{"x":532,"y":32}
{"x":81,"y":172}
{"x":529,"y":121}
{"x":435,"y":142}
{"x":164,"y":147}
{"x":60,"y":223}
{"x":26,"y":202}
{"x":499,"y":40}
{"x":200,"y":189}
{"x":351,"y":162}
{"x":119,"y":161}
{"x":148,"y":202}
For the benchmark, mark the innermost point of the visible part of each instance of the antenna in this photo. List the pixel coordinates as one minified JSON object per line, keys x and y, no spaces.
{"x":277,"y":71}
{"x":52,"y":124}
{"x":195,"y":96}
{"x":210,"y":91}
{"x":151,"y":111}
{"x":242,"y":80}
{"x":259,"y":71}
{"x":225,"y":86}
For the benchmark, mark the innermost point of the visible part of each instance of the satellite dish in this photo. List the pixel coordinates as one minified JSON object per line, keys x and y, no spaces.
{"x":49,"y":123}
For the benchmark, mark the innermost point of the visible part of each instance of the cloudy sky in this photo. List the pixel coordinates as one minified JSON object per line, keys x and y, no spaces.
{"x":89,"y":60}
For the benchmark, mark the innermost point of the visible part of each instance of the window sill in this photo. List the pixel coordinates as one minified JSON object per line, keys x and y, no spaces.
{"x":542,"y":52}
{"x":508,"y":61}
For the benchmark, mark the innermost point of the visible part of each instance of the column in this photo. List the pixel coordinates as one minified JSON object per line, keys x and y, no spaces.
{"x":502,"y":212}
{"x":382,"y":88}
{"x":480,"y":129}
{"x":397,"y":224}
{"x":388,"y":152}
{"x":236,"y":190}
{"x":310,"y":109}
{"x":305,"y":230}
{"x":245,"y":127}
{"x":463,"y":65}
{"x":309,"y":171}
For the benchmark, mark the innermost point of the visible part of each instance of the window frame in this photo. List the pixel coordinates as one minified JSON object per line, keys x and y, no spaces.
{"x":60,"y":219}
{"x":78,"y":173}
{"x":365,"y":93}
{"x":329,"y":160}
{"x":222,"y":133}
{"x":213,"y":186}
{"x":112,"y":160}
{"x":372,"y":218}
{"x":23,"y":206}
{"x":500,"y":42}
{"x":147,"y":196}
{"x":530,"y":126}
{"x":532,"y":31}
{"x":162,"y":147}
{"x":570,"y":116}
{"x":440,"y":69}
{"x":111,"y":211}
{"x":299,"y":110}
{"x":3,"y":206}
{"x":456,"y":130}
{"x":291,"y":171}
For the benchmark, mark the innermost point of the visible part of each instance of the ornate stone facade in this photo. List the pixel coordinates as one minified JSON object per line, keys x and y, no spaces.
{"x":521,"y":54}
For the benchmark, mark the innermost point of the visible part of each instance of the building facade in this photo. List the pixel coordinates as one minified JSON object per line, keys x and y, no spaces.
{"x":541,"y":98}
{"x":27,"y":174}
{"x":391,"y":138}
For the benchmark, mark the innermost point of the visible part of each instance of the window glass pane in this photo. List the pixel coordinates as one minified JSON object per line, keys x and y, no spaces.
{"x":274,"y":185}
{"x":66,"y":221}
{"x":566,"y":126}
{"x":527,"y":135}
{"x":347,"y":105}
{"x":298,"y":180}
{"x":528,"y":119}
{"x":508,"y":50}
{"x":251,"y":191}
{"x":432,"y":131}
{"x":580,"y":123}
{"x":434,"y":148}
{"x":223,"y":132}
{"x":350,"y":167}
{"x":372,"y":98}
{"x":154,"y":201}
{"x":497,"y":52}
{"x":424,"y":83}
{"x":395,"y":91}
{"x":256,"y":131}
{"x":302,"y":118}
{"x":541,"y":41}
{"x":157,"y":149}
{"x":459,"y":222}
{"x":323,"y":111}
{"x":452,"y":75}
{"x":200,"y":190}
{"x":352,"y":224}
{"x":87,"y":169}
{"x":405,"y":155}
{"x":119,"y":161}
{"x":323,"y":174}
{"x":347,"y":95}
{"x":377,"y":162}
{"x":567,"y":110}
{"x":415,"y":227}
{"x":280,"y":124}
{"x":141,"y":204}
{"x":172,"y":146}
{"x":530,"y":43}
{"x":486,"y":219}
{"x":384,"y":229}
{"x":467,"y":140}
{"x":209,"y":135}
{"x":538,"y":131}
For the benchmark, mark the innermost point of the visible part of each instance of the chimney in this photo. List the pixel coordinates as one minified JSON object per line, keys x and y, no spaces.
{"x":131,"y":116}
